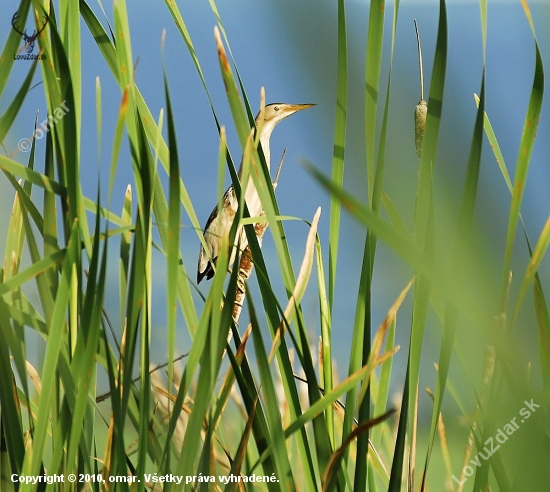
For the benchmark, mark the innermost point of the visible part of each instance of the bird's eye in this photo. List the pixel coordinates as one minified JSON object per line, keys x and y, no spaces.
{"x":276,"y":108}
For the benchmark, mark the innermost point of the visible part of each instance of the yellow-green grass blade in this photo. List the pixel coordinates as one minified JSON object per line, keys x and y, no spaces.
{"x":206,"y":465}
{"x":269,"y":396}
{"x":10,"y":166}
{"x":12,"y":340}
{"x":83,"y":364}
{"x":27,"y":204}
{"x":57,"y":326}
{"x":372,"y":80}
{"x":7,"y":119}
{"x":137,"y":305}
{"x":523,"y":159}
{"x":483,"y":18}
{"x":60,"y":94}
{"x":26,"y":315}
{"x":272,"y":309}
{"x":271,"y":305}
{"x":124,"y":252}
{"x":178,"y":19}
{"x":338,"y":156}
{"x":496,"y":149}
{"x":323,"y":445}
{"x":34,"y":270}
{"x":249,"y":390}
{"x":15,"y":239}
{"x":338,"y":152}
{"x":227,"y":387}
{"x":173,"y":253}
{"x":125,"y":65}
{"x":543,"y":322}
{"x":240,"y":117}
{"x":187,"y":304}
{"x":216,"y":12}
{"x":381,"y":397}
{"x":431,"y":136}
{"x":143,"y":397}
{"x":70,"y":35}
{"x":42,"y":281}
{"x":537,"y":255}
{"x":240,"y":454}
{"x":210,"y":360}
{"x":98,"y":111}
{"x":401,"y":243}
{"x":117,"y":141}
{"x":50,"y":230}
{"x":326,"y":338}
{"x":12,"y":426}
{"x":398,"y":458}
{"x":89,"y":204}
{"x":216,"y":325}
{"x":103,"y":42}
{"x":375,"y":200}
{"x":219,"y":326}
{"x":381,"y":333}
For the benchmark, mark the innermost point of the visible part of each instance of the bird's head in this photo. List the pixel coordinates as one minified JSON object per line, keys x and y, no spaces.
{"x":279,"y":111}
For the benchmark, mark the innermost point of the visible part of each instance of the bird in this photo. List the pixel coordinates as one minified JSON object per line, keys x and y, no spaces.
{"x":219,"y":226}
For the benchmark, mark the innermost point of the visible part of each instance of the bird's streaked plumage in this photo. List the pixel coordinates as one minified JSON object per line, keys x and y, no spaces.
{"x":219,"y":226}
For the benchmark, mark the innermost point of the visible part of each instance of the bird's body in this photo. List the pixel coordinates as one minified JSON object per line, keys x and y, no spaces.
{"x":218,"y":226}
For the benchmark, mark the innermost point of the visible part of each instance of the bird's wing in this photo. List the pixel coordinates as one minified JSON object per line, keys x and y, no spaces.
{"x":216,"y":227}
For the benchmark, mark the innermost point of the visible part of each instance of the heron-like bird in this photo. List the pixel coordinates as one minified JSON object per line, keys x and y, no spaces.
{"x":218,"y":226}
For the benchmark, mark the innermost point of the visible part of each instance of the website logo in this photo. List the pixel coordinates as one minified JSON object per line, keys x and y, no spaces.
{"x":29,"y":40}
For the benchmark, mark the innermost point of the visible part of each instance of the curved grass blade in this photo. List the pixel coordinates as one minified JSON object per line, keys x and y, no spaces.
{"x":7,"y":119}
{"x":174,"y":224}
{"x":275,"y":426}
{"x":524,"y":157}
{"x":33,"y":462}
{"x":31,"y":176}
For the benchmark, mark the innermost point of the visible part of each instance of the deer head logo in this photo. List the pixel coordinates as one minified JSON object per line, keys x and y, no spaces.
{"x":29,"y":40}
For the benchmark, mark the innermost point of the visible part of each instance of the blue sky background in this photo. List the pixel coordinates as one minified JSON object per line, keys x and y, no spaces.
{"x":289,"y":47}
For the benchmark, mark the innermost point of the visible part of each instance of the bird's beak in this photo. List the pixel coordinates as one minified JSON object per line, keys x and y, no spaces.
{"x":292,"y":108}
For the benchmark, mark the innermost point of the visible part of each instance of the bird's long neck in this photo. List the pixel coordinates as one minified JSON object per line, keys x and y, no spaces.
{"x":251,"y":194}
{"x":265,"y":135}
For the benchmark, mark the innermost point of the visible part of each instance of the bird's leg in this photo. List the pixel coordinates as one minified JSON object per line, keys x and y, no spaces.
{"x":245,"y":270}
{"x":246,"y":264}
